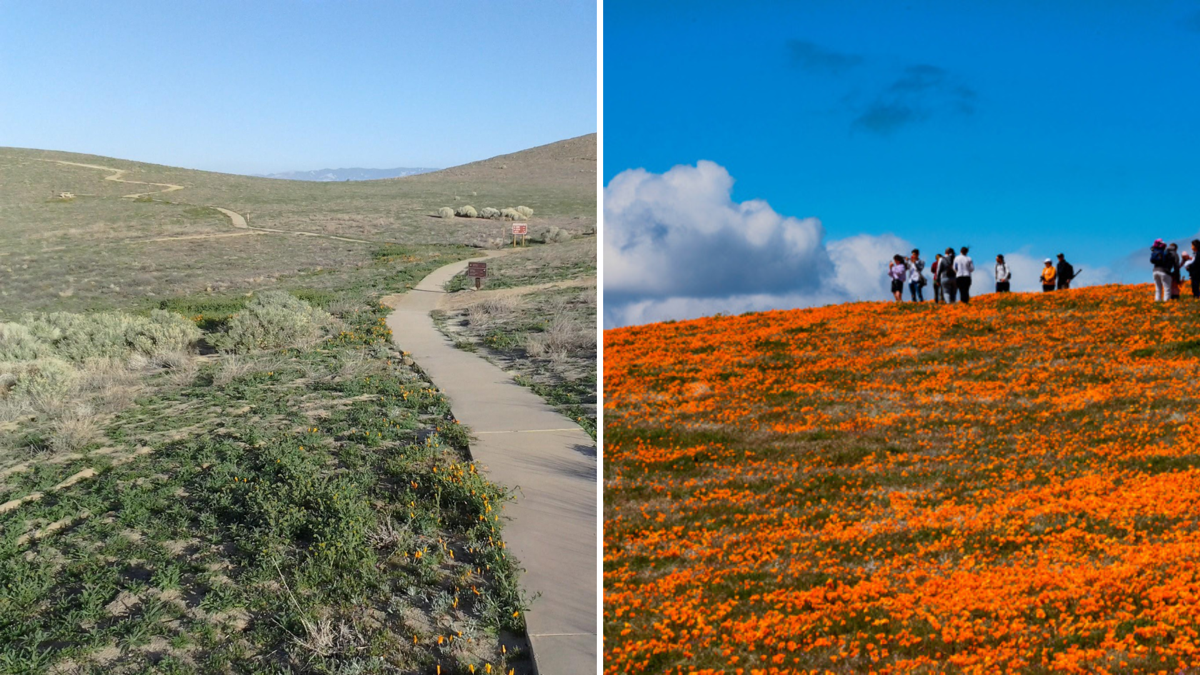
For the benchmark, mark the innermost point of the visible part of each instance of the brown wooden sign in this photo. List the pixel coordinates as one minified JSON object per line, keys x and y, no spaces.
{"x":521,"y":229}
{"x":477,"y":270}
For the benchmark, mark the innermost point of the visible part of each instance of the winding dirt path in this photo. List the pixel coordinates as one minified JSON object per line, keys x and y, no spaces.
{"x":236,"y":219}
{"x":545,"y":458}
{"x":116,"y":178}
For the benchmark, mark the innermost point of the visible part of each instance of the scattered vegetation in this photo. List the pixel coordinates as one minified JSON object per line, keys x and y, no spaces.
{"x":446,"y":212}
{"x":512,"y":214}
{"x":489,"y":212}
{"x":525,"y":211}
{"x":273,"y":320}
{"x":466,"y":212}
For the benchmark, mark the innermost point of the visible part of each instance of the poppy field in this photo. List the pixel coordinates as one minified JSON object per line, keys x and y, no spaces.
{"x":1009,"y":486}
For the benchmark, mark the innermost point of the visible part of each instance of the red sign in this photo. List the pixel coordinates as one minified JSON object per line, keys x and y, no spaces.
{"x":477,"y":270}
{"x":520,"y":229}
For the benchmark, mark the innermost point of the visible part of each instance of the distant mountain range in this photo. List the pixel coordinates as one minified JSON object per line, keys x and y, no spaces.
{"x":330,"y":175}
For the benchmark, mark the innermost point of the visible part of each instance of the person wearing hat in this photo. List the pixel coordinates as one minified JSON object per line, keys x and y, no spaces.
{"x":1163,"y":263}
{"x":1049,"y":276}
{"x":1065,"y":273}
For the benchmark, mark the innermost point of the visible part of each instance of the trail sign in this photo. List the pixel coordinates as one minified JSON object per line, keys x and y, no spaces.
{"x":477,"y":271}
{"x":519,"y":229}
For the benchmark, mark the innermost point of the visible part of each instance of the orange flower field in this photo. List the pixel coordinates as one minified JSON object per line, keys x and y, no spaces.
{"x":1009,"y":486}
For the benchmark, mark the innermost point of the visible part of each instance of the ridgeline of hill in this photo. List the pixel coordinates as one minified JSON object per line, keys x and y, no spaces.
{"x":1009,"y":486}
{"x":100,"y":249}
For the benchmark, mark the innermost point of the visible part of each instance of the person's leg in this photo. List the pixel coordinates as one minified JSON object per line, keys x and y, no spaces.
{"x":920,"y":292}
{"x":1196,"y":286}
{"x":950,"y":291}
{"x":964,"y":289}
{"x":1160,"y":286}
{"x":912,"y":291}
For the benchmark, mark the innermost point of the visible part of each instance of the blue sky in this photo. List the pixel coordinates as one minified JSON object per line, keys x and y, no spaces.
{"x":264,"y":86}
{"x":1016,"y":126}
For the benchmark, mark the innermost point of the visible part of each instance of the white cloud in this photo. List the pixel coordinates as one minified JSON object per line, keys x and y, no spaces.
{"x":676,"y":246}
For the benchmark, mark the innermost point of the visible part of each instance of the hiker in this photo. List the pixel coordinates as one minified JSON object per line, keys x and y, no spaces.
{"x":897,"y":271}
{"x":1003,"y":275}
{"x":964,"y":267}
{"x":1065,"y":273}
{"x":1176,"y":271}
{"x":937,"y":286}
{"x":1049,"y":276}
{"x":946,"y":270}
{"x":916,"y":280}
{"x":1193,"y":269}
{"x":1160,"y":257}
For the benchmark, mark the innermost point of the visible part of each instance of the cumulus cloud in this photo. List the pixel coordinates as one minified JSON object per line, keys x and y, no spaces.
{"x":813,"y":57}
{"x":676,"y":246}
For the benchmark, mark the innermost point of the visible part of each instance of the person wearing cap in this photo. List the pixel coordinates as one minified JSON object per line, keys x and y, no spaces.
{"x":1049,"y":276}
{"x":963,"y":268}
{"x":1065,"y":273}
{"x":1160,"y":257}
{"x":1003,"y":275}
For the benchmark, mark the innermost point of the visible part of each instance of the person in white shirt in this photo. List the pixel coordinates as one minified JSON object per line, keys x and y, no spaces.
{"x":916,"y":276}
{"x":963,"y":268}
{"x":1003,"y":275}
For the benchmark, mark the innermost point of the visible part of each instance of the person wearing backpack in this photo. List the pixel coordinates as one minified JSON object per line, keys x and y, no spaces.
{"x":946,"y":271}
{"x":916,"y":278}
{"x":1161,"y":259}
{"x":964,"y":267}
{"x":1065,"y":273}
{"x":897,"y":271}
{"x":937,"y":286}
{"x":1003,"y":275}
{"x":1049,"y":275}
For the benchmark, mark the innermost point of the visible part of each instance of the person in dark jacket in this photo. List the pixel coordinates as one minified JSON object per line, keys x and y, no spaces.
{"x":1065,"y":273}
{"x":1176,"y":271}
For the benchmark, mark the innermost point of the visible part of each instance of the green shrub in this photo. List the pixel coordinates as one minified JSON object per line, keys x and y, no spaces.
{"x":466,"y":212}
{"x":525,"y":211}
{"x":18,"y":343}
{"x":512,"y":214}
{"x":446,"y":212}
{"x":273,"y":320}
{"x":40,"y":382}
{"x":78,"y":337}
{"x":489,"y":212}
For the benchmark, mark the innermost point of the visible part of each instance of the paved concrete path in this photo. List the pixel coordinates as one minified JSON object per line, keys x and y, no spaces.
{"x":522,"y":443}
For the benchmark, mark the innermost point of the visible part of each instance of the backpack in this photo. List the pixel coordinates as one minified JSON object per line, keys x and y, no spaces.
{"x":1158,"y":257}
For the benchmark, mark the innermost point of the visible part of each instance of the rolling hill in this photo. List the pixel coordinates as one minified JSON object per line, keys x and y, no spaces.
{"x":1010,"y":486}
{"x":105,"y":249}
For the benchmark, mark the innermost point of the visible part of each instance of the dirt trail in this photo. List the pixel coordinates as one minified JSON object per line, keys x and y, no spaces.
{"x":237,"y":219}
{"x":455,"y":301}
{"x":116,"y":178}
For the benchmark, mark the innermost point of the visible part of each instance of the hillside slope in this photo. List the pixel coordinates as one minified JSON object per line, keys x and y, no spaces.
{"x":1005,"y":486}
{"x":105,"y":249}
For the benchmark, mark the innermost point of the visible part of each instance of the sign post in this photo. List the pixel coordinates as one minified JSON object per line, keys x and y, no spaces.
{"x":477,"y":271}
{"x":521,"y":229}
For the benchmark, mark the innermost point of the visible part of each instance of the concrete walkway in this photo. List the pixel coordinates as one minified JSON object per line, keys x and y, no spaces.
{"x":521,"y":443}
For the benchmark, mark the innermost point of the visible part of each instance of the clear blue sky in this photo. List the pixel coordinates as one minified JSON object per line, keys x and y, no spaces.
{"x":1057,"y":126}
{"x":265,"y":86}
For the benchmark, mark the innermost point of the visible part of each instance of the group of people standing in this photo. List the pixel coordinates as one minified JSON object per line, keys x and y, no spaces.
{"x":952,"y":275}
{"x":1168,"y":269}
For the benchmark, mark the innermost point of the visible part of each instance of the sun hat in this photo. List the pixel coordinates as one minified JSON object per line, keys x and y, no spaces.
{"x":1158,"y":242}
{"x":1049,"y":260}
